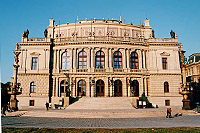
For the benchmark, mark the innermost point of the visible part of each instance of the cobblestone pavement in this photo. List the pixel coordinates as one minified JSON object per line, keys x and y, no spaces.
{"x":153,"y":122}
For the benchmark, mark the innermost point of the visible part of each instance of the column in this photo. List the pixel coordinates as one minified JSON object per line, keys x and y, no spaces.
{"x":144,"y":59}
{"x":88,"y":59}
{"x":106,"y":89}
{"x":88,"y":87}
{"x":140,"y":59}
{"x":74,"y":59}
{"x":128,"y":58}
{"x":111,"y":88}
{"x":106,"y":59}
{"x":145,"y":86}
{"x":124,"y":87}
{"x":54,"y":87}
{"x":110,"y":59}
{"x":92,"y":59}
{"x":124,"y":59}
{"x":92,"y":89}
{"x":58,"y":61}
{"x":57,"y":87}
{"x":54,"y":61}
{"x":129,"y":87}
{"x":71,"y":59}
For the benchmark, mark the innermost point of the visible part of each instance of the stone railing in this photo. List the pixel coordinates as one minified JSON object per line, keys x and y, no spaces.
{"x":135,"y":70}
{"x":118,"y":70}
{"x":99,"y":70}
{"x":163,"y":40}
{"x":82,"y":70}
{"x":36,"y":39}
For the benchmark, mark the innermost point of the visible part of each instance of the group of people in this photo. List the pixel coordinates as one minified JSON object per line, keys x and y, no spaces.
{"x":6,"y":108}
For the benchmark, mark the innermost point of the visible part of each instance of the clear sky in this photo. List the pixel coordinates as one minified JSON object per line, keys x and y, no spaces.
{"x":182,"y":16}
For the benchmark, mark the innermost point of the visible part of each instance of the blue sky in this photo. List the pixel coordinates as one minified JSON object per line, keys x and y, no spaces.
{"x":182,"y":16}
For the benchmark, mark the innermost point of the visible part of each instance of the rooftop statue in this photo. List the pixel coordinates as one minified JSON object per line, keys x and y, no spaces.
{"x":153,"y":34}
{"x":172,"y":33}
{"x":45,"y":32}
{"x":25,"y":35}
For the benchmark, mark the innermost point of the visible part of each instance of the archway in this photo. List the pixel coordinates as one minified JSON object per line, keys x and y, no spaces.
{"x":117,"y":88}
{"x":64,"y":88}
{"x":100,"y":88}
{"x":134,"y":88}
{"x":81,"y":88}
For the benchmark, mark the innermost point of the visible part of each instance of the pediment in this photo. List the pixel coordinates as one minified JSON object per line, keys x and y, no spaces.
{"x":164,"y":54}
{"x":35,"y":53}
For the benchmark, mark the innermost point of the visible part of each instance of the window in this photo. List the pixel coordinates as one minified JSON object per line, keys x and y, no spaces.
{"x":65,"y":60}
{"x":82,"y":60}
{"x":31,"y":103}
{"x":134,"y":60}
{"x":164,"y":63}
{"x":166,"y":87}
{"x":33,"y":87}
{"x":117,"y":60}
{"x":100,"y":59}
{"x":34,"y":63}
{"x":81,"y":88}
{"x":167,"y":102}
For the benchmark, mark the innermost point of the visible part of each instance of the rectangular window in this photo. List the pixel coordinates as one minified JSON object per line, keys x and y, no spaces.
{"x":34,"y":63}
{"x":167,"y":102}
{"x":31,"y":103}
{"x":164,"y":63}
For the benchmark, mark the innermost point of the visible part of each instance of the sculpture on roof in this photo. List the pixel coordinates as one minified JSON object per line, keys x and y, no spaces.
{"x":153,"y":34}
{"x":172,"y":33}
{"x":45,"y":32}
{"x":25,"y":35}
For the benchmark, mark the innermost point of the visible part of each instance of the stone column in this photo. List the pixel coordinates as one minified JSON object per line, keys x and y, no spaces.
{"x":88,"y":59}
{"x":140,"y":59}
{"x":54,"y":87}
{"x":128,"y":58}
{"x":145,"y":86}
{"x":74,"y":59}
{"x":110,"y":60}
{"x":106,"y":89}
{"x":71,"y":60}
{"x":144,"y":59}
{"x":106,"y":60}
{"x":54,"y":61}
{"x":57,"y":87}
{"x":88,"y":87}
{"x":58,"y":61}
{"x":129,"y":87}
{"x":124,"y":59}
{"x":111,"y":88}
{"x":92,"y":60}
{"x":124,"y":87}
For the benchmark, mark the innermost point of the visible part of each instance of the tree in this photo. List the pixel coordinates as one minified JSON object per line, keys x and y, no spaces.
{"x":5,"y":98}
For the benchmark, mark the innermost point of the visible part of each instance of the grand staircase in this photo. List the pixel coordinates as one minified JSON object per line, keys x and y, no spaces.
{"x":101,"y":103}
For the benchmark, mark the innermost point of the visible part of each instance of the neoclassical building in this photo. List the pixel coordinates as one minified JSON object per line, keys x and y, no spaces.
{"x":99,"y":58}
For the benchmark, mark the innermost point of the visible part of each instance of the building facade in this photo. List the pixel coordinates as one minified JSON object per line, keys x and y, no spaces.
{"x":99,"y":58}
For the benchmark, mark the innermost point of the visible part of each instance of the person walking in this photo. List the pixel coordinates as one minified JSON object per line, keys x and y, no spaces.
{"x":170,"y":113}
{"x":47,"y":106}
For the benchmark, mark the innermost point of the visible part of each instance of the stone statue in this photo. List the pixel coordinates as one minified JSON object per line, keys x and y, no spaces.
{"x":153,"y":34}
{"x":172,"y":33}
{"x":25,"y":35}
{"x":45,"y":32}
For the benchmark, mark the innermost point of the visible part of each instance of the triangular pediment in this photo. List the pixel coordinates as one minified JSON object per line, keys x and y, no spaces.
{"x":164,"y":54}
{"x":35,"y":53}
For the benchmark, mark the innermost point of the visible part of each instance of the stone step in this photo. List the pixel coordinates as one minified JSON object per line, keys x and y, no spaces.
{"x":101,"y":103}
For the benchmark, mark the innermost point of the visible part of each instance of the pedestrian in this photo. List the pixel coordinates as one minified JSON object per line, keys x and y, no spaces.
{"x":47,"y":106}
{"x":4,"y":111}
{"x":170,"y":113}
{"x":167,"y":113}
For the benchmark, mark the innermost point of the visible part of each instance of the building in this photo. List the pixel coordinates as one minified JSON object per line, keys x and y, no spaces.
{"x":99,"y":58}
{"x":193,"y":68}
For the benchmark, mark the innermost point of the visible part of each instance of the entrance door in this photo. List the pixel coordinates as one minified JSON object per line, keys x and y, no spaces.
{"x":99,"y":88}
{"x":135,"y":88}
{"x":81,"y":88}
{"x":118,"y":88}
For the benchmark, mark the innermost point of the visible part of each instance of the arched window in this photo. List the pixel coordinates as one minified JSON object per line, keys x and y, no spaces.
{"x":100,"y":59}
{"x":81,"y":88}
{"x":117,"y":60}
{"x":65,"y":60}
{"x":134,"y":60}
{"x":32,"y":87}
{"x":166,"y":87}
{"x":82,"y":60}
{"x":64,"y":88}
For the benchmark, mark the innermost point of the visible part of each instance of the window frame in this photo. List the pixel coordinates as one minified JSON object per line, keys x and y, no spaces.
{"x":164,"y":63}
{"x":82,"y":59}
{"x":134,"y":60}
{"x":34,"y":65}
{"x":67,"y":60}
{"x":100,"y":61}
{"x":166,"y":87}
{"x":118,"y":62}
{"x":32,"y":87}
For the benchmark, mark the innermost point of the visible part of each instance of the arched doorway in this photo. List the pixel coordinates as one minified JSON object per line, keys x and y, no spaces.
{"x":100,"y":88}
{"x":117,"y":88}
{"x":64,"y":88}
{"x":81,"y":88}
{"x":134,"y":88}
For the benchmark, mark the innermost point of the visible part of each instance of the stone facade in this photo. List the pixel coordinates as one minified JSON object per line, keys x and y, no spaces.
{"x":131,"y":63}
